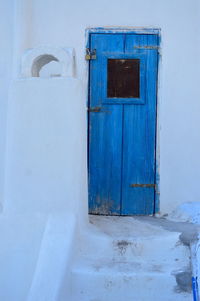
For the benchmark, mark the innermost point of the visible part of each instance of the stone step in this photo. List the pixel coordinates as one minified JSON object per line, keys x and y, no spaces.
{"x":167,"y":250}
{"x":130,"y":281}
{"x":130,"y":239}
{"x":125,"y":259}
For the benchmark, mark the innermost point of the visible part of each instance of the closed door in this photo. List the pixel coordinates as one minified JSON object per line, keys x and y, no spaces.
{"x":122,"y":123}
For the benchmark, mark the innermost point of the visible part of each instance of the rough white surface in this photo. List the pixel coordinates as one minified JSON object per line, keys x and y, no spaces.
{"x":123,"y":258}
{"x":187,"y":212}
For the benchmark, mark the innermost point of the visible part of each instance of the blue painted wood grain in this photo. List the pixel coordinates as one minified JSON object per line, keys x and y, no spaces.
{"x":139,"y":139}
{"x":105,"y":136}
{"x":122,"y":136}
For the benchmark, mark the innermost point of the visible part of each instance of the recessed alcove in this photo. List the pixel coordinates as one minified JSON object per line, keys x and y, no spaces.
{"x":46,"y":66}
{"x":48,"y":62}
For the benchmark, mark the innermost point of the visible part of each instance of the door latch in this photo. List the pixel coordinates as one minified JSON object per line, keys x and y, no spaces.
{"x":90,"y":54}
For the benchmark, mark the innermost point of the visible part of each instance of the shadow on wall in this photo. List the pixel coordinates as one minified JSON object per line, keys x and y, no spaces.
{"x":46,"y":66}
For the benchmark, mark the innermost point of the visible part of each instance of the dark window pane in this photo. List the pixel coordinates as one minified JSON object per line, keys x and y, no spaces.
{"x":123,"y":78}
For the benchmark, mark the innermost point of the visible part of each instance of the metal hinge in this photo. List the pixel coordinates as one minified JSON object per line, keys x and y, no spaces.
{"x":90,"y":54}
{"x":143,"y":185}
{"x":97,"y":110}
{"x":148,"y":47}
{"x":94,"y":109}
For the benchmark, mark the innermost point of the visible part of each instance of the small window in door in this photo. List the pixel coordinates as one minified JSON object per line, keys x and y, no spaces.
{"x":123,"y":78}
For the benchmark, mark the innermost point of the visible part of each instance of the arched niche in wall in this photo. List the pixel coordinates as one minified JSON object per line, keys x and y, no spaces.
{"x":48,"y":62}
{"x":44,"y":63}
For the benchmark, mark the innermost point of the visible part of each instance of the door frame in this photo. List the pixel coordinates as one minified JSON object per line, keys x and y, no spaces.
{"x":133,"y":30}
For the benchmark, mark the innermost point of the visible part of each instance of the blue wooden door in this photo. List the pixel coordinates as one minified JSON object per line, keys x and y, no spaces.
{"x":122,"y":124}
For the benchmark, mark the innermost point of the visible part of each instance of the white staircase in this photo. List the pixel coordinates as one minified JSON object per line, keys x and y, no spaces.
{"x":123,"y":258}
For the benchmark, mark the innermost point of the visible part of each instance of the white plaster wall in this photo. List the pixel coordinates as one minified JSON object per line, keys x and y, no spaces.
{"x":45,"y":146}
{"x":37,"y":180}
{"x":179,"y":94}
{"x":6,"y":57}
{"x":46,"y":196}
{"x":20,"y":236}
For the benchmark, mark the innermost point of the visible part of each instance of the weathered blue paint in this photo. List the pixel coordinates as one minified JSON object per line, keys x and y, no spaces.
{"x":140,"y":139}
{"x":122,"y":136}
{"x":195,"y":289}
{"x":157,"y":191}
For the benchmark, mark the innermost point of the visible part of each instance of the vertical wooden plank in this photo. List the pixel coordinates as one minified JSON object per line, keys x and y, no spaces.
{"x":105,"y":135}
{"x":139,"y":133}
{"x":155,"y":40}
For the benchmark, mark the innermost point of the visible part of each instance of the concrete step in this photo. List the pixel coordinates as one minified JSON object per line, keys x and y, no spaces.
{"x":127,"y":239}
{"x":125,"y":258}
{"x":118,"y":281}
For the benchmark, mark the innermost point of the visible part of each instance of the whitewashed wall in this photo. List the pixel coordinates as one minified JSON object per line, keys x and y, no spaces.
{"x":6,"y":51}
{"x":63,"y":23}
{"x":25,"y":24}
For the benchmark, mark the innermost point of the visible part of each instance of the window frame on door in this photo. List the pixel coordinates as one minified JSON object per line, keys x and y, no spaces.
{"x":135,"y":55}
